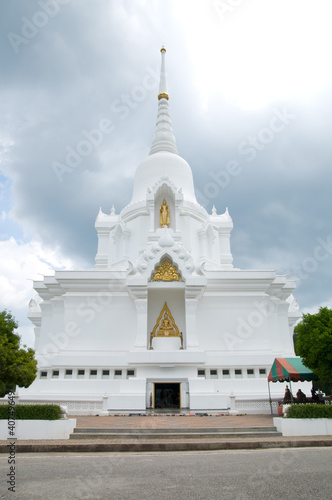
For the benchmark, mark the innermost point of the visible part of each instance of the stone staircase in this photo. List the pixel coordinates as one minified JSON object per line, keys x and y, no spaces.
{"x":173,"y":439}
{"x":174,"y":434}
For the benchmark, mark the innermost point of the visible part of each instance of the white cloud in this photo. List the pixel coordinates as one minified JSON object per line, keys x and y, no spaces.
{"x":278,"y":210}
{"x":266,"y":41}
{"x":314,"y":309}
{"x":20,"y":263}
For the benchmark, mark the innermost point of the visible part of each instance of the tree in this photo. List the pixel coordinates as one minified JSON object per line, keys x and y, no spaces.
{"x":313,"y":342}
{"x":17,"y":364}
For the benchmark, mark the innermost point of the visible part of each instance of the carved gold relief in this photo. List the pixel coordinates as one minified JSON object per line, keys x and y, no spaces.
{"x":165,"y":326}
{"x":166,"y":272}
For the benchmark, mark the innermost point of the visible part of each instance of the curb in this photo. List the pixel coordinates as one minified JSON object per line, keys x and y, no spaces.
{"x":154,"y":447}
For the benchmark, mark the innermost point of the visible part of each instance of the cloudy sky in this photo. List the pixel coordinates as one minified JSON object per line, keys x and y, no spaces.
{"x":250,"y":98}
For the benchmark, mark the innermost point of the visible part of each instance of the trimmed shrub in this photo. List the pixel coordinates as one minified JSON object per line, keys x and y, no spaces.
{"x":309,"y":411}
{"x":30,"y":412}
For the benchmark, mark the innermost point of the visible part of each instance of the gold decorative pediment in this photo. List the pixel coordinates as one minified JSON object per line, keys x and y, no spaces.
{"x":166,"y":272}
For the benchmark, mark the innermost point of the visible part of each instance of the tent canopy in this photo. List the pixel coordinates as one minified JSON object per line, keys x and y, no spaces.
{"x":290,"y":369}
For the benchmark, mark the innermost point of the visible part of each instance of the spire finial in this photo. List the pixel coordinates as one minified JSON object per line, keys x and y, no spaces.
{"x":163,"y":139}
{"x":163,"y":94}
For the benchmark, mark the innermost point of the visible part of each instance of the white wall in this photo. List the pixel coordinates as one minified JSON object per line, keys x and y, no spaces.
{"x":96,"y":322}
{"x":303,"y":426}
{"x":39,"y":429}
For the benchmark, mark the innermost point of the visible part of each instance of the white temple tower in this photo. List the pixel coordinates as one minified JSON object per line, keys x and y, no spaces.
{"x":163,"y":320}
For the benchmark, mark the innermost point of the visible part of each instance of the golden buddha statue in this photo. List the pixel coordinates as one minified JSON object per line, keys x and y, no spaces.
{"x":164,"y":214}
{"x":166,"y":328}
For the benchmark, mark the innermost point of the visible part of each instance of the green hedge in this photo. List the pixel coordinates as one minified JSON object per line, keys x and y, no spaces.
{"x":309,"y":411}
{"x":30,"y":412}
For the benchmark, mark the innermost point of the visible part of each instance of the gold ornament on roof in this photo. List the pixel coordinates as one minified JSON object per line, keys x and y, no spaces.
{"x":164,"y":214}
{"x":163,"y":95}
{"x":165,"y":326}
{"x":166,"y":272}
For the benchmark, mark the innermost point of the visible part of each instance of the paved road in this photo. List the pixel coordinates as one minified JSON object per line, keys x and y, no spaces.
{"x":225,"y":475}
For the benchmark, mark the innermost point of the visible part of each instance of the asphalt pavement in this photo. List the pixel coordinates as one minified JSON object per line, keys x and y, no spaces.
{"x":228,"y":475}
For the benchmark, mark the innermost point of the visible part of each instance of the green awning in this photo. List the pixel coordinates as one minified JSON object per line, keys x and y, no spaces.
{"x":290,"y":369}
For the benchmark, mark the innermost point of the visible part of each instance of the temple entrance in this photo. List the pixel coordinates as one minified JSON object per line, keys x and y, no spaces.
{"x":166,"y":395}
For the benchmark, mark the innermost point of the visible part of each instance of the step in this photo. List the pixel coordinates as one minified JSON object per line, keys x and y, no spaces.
{"x":149,"y":434}
{"x":139,"y":446}
{"x":170,"y":430}
{"x":173,"y":436}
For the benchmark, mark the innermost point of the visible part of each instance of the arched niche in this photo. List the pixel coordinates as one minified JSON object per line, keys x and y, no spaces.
{"x":165,"y":334}
{"x":164,"y":192}
{"x":174,"y":295}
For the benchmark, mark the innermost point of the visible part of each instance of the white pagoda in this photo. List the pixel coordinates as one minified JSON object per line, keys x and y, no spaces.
{"x":163,"y":320}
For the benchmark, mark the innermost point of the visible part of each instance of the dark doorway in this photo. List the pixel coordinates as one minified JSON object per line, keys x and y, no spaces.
{"x":167,"y":395}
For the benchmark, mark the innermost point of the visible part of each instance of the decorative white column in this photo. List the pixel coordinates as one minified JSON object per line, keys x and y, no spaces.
{"x":191,"y":343}
{"x":223,"y":224}
{"x":226,"y":258}
{"x":202,"y":243}
{"x":232,"y":403}
{"x":193,"y":293}
{"x":125,"y":235}
{"x":102,"y":253}
{"x":142,"y":324}
{"x":139,"y":294}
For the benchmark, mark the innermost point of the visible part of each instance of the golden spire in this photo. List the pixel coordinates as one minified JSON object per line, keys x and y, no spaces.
{"x":163,"y":94}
